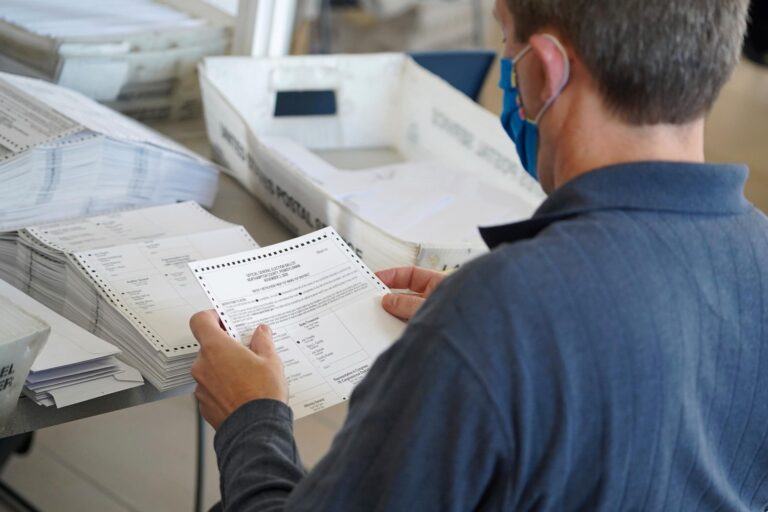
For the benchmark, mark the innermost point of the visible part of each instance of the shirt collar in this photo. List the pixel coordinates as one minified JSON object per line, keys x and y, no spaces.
{"x":694,"y":188}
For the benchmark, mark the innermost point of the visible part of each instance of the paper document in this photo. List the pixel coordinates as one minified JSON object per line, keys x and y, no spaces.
{"x":25,"y":122}
{"x":322,"y":303}
{"x":67,"y":344}
{"x":151,"y":284}
{"x":127,"y":226}
{"x":124,"y":277}
{"x":81,"y":112}
{"x":74,"y":365}
{"x":123,"y":377}
{"x":73,"y":157}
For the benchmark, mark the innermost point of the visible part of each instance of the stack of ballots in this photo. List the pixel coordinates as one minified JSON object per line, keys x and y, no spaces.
{"x":136,"y":56}
{"x":124,"y":277}
{"x":74,"y":365}
{"x":63,"y":155}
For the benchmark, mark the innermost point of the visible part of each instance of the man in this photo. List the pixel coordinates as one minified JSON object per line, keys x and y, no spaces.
{"x":611,"y":353}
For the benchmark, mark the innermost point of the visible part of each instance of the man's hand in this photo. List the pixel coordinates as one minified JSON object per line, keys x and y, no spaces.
{"x":420,"y":282}
{"x":228,"y":374}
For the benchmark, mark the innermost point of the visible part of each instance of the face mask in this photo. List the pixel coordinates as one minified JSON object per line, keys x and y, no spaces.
{"x":523,"y":130}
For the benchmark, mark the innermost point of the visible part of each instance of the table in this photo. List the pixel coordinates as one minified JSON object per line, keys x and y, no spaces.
{"x":233,"y":204}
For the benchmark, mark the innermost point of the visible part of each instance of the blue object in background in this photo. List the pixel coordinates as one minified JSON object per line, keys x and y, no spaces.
{"x":305,"y":103}
{"x":466,"y":70}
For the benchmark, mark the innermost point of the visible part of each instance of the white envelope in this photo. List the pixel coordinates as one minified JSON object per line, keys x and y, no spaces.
{"x":126,"y":378}
{"x":67,"y":344}
{"x":86,"y":368}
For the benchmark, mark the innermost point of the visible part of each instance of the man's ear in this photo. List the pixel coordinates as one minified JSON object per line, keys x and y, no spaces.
{"x":554,"y":64}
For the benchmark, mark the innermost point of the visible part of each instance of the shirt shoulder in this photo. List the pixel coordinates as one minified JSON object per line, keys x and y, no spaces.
{"x":527,"y":274}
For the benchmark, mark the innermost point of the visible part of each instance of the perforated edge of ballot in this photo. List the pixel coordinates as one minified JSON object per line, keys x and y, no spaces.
{"x":324,"y":307}
{"x":26,"y":122}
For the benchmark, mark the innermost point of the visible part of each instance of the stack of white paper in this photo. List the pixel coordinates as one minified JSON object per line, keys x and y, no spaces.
{"x":124,"y":277}
{"x":8,"y":260}
{"x":137,"y":56}
{"x":72,"y":157}
{"x":74,"y":366}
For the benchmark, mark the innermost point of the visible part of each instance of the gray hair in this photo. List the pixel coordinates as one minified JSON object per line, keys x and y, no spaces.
{"x":655,"y":61}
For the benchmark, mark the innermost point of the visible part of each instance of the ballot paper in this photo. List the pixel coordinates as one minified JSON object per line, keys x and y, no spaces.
{"x":322,"y":303}
{"x":72,"y":157}
{"x":124,"y":277}
{"x":74,"y":365}
{"x":27,"y":123}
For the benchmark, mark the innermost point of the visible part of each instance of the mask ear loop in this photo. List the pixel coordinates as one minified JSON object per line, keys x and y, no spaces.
{"x":563,"y":83}
{"x":517,"y":58}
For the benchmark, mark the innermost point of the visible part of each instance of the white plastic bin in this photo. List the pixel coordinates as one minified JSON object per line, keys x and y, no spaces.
{"x":22,"y":336}
{"x":447,"y":166}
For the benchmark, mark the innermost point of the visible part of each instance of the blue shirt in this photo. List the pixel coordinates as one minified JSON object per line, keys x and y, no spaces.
{"x":611,"y":353}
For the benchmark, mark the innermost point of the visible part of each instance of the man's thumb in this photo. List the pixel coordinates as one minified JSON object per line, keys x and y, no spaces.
{"x":401,"y":305}
{"x":261,"y":341}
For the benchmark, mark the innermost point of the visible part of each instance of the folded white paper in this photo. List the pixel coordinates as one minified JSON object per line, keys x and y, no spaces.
{"x":125,"y":377}
{"x":74,"y":365}
{"x":68,"y":343}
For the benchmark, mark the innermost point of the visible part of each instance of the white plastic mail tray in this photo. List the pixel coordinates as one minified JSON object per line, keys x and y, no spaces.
{"x":400,"y":163}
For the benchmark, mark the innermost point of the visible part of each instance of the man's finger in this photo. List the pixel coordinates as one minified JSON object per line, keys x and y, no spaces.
{"x":206,"y":328}
{"x":398,"y":278}
{"x":261,"y":341}
{"x":402,"y":306}
{"x":197,"y":369}
{"x":416,"y":279}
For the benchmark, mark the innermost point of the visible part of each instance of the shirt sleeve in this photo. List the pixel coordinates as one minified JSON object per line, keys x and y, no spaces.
{"x":422,"y":433}
{"x":258,"y":461}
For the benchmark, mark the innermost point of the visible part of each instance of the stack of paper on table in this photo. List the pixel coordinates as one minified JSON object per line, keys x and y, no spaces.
{"x":124,"y":277}
{"x":63,"y":155}
{"x":137,"y":56}
{"x":74,"y":365}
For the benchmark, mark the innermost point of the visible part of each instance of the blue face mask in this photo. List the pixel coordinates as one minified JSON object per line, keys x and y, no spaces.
{"x":524,"y":131}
